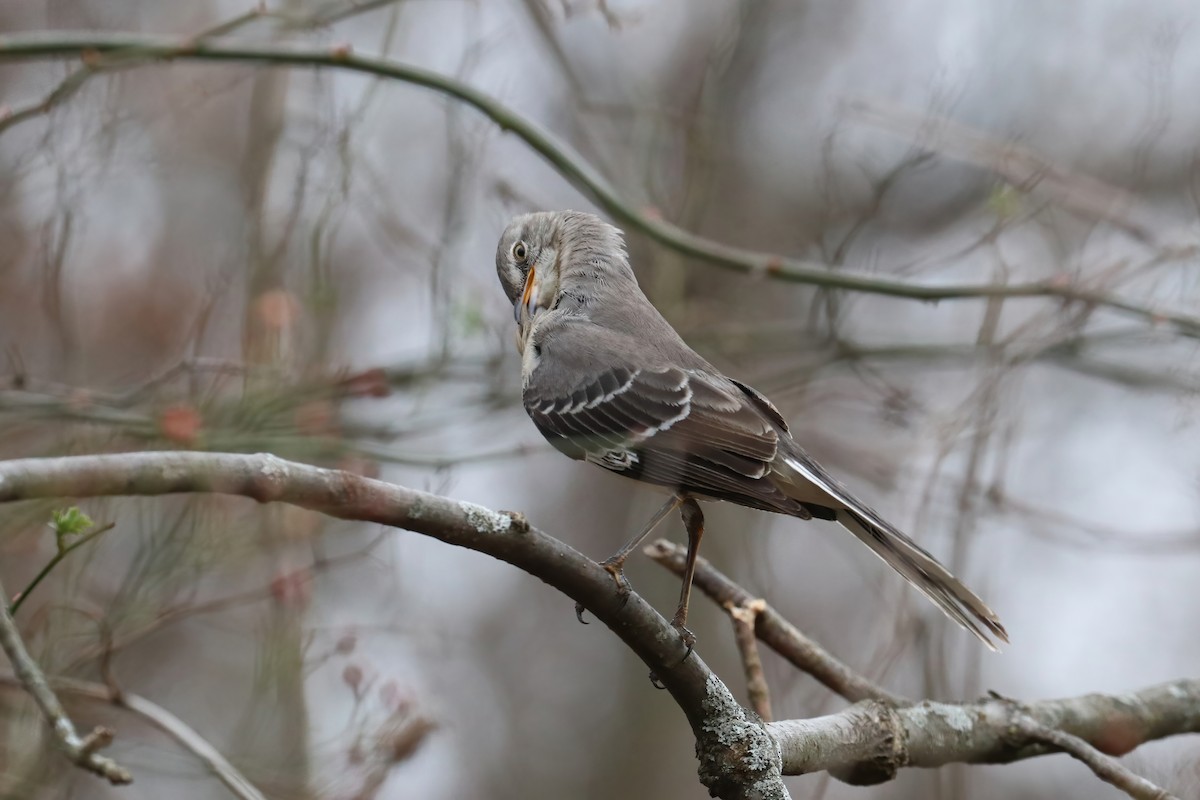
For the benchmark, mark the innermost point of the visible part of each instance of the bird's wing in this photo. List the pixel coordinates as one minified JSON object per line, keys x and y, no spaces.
{"x":685,"y":429}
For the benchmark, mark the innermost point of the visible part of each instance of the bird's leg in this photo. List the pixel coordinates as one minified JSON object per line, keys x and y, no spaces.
{"x":693,"y":520}
{"x":615,"y":563}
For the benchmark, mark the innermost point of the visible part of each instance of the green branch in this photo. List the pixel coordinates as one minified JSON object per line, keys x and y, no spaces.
{"x":93,"y":47}
{"x":63,"y":552}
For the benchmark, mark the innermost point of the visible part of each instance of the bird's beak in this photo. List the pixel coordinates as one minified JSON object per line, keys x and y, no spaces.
{"x":529,"y":299}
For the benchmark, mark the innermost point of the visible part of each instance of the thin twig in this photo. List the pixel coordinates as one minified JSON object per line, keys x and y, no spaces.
{"x":743,"y":618}
{"x":574,"y":169}
{"x":166,"y":722}
{"x":1106,"y":768}
{"x":20,"y":596}
{"x":1019,"y":166}
{"x":80,"y":751}
{"x":775,"y":631}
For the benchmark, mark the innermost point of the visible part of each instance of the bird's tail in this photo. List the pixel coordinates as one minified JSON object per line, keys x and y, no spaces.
{"x":924,"y":572}
{"x":803,"y":480}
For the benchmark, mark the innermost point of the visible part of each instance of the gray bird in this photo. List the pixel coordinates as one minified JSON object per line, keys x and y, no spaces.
{"x":607,"y":380}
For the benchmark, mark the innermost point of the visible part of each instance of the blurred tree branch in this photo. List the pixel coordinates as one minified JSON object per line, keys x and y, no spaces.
{"x":165,"y":721}
{"x":1018,"y":166}
{"x":92,"y":46}
{"x":81,"y":751}
{"x":62,"y":552}
{"x":866,"y":743}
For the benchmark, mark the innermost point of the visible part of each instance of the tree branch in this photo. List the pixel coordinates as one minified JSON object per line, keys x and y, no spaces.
{"x":737,"y":757}
{"x":775,"y":631}
{"x":571,"y":166}
{"x":166,"y":722}
{"x":80,"y":751}
{"x":55,"y":560}
{"x":868,"y":742}
{"x":743,"y":618}
{"x":1105,"y":767}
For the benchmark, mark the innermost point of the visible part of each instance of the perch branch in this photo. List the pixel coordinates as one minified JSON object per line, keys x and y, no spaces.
{"x":866,"y":743}
{"x":737,"y":758}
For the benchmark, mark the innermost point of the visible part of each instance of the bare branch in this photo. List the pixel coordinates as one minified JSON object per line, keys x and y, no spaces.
{"x":867,"y":743}
{"x":166,"y":722}
{"x":80,"y":751}
{"x":743,"y":618}
{"x":778,"y":634}
{"x":737,"y":758}
{"x":575,"y":170}
{"x":1106,"y":768}
{"x":1019,"y":166}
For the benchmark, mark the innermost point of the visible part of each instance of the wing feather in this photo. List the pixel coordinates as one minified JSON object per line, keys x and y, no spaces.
{"x":677,"y":428}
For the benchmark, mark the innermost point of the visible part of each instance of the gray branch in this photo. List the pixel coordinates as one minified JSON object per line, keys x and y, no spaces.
{"x":868,"y":742}
{"x":739,"y":757}
{"x":738,"y":760}
{"x":1105,"y":767}
{"x":81,"y":751}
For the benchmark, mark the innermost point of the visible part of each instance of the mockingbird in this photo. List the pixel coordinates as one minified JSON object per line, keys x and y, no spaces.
{"x":607,"y":380}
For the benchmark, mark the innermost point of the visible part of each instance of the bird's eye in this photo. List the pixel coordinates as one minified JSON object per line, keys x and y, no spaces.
{"x":519,"y":251}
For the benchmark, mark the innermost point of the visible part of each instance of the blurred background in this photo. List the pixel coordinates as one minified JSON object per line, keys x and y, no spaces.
{"x":240,"y":258}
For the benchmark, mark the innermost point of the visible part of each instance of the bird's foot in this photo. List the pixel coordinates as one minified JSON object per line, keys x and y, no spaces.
{"x":615,"y":568}
{"x":686,"y":636}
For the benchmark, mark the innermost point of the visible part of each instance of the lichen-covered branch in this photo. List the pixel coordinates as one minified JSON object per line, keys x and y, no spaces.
{"x":737,"y":758}
{"x":572,"y":167}
{"x":868,"y":742}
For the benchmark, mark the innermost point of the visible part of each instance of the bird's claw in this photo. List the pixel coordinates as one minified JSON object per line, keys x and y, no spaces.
{"x":615,"y":568}
{"x":688,"y":638}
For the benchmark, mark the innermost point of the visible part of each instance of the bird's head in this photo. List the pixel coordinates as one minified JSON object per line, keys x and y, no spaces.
{"x":560,"y":259}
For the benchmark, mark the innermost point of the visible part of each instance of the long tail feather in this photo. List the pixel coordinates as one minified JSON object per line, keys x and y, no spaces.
{"x":805,"y":481}
{"x":924,"y":572}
